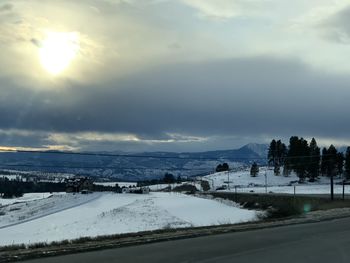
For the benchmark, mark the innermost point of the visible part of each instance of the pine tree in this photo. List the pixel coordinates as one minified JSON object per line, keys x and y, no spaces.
{"x":332,"y":161}
{"x":332,"y":164}
{"x":272,"y":152}
{"x":324,"y":162}
{"x":347,"y":163}
{"x":314,"y":160}
{"x":298,"y":156}
{"x":276,"y":155}
{"x":225,"y":167}
{"x":340,"y":164}
{"x":254,"y":170}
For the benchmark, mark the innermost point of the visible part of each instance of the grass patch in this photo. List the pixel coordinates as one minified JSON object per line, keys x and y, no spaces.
{"x":282,"y":206}
{"x":12,"y":247}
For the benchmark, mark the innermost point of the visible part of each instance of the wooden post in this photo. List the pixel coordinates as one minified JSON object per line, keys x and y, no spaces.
{"x":332,"y":187}
{"x":236,"y":193}
{"x":294,"y":191}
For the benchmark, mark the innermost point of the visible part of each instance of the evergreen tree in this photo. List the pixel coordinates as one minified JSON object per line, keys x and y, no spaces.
{"x":254,"y":170}
{"x":340,"y":164}
{"x":332,"y":165}
{"x":219,"y":168}
{"x":298,"y":156}
{"x":276,"y":155}
{"x":222,"y":167}
{"x":324,"y":162}
{"x":169,"y":178}
{"x":179,"y":179}
{"x":332,"y":161}
{"x":225,"y":167}
{"x":271,"y":155}
{"x":347,"y":163}
{"x":314,"y":160}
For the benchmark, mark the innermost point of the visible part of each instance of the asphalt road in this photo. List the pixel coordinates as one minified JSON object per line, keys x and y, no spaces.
{"x":318,"y":242}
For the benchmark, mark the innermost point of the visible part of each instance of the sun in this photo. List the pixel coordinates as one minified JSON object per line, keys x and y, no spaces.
{"x":58,"y":50}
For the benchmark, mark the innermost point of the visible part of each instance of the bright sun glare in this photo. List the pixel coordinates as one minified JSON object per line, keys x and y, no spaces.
{"x":58,"y":50}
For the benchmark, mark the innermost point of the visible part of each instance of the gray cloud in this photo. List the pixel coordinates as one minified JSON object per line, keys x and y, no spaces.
{"x":240,"y":97}
{"x":337,"y":27}
{"x":6,"y":7}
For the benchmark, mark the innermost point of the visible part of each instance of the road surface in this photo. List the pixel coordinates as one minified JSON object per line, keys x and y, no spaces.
{"x":318,"y":242}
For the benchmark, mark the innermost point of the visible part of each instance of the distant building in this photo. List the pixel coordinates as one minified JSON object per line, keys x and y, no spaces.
{"x":79,"y":184}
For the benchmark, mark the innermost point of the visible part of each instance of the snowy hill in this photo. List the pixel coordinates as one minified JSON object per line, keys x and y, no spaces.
{"x":241,"y":181}
{"x":259,"y":149}
{"x":109,"y":213}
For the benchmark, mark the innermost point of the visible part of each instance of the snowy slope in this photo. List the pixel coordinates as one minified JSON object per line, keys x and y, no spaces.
{"x":25,"y":198}
{"x":123,"y":213}
{"x":16,"y":213}
{"x":243,"y":182}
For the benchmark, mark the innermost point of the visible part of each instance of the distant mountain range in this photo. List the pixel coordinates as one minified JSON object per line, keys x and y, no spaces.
{"x":133,"y":166}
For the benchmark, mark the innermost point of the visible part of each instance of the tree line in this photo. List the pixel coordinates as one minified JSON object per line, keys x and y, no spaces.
{"x":16,"y":188}
{"x":307,"y":160}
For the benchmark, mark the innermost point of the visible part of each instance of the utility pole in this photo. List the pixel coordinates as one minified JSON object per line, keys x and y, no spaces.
{"x":228,"y":179}
{"x":266,"y":180}
{"x":332,"y":187}
{"x":236,"y":193}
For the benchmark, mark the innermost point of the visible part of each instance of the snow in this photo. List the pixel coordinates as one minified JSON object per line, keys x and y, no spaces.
{"x":299,"y":189}
{"x":111,"y":213}
{"x":24,"y":198}
{"x":160,"y":187}
{"x":121,"y":184}
{"x":241,"y":181}
{"x":243,"y":178}
{"x":20,"y":212}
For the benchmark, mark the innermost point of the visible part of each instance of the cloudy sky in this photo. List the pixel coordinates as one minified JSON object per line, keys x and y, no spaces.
{"x":173,"y":75}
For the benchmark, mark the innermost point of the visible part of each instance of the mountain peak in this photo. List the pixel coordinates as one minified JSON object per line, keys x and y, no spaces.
{"x":260,"y":149}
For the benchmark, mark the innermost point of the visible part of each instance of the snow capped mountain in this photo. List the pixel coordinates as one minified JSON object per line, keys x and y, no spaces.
{"x":260,"y":149}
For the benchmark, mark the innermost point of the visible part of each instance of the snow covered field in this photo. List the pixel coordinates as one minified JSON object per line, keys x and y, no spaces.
{"x":276,"y":184}
{"x":160,"y":187}
{"x":24,"y":198}
{"x":24,"y":211}
{"x":121,"y":184}
{"x":123,"y":213}
{"x":299,"y":189}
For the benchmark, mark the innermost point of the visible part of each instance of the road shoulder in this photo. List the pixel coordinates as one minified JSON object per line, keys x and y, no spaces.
{"x":115,"y":241}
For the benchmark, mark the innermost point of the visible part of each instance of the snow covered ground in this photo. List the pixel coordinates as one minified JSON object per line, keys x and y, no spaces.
{"x":24,"y":198}
{"x":20,"y":212}
{"x":299,"y":189}
{"x":243,"y":182}
{"x":160,"y":187}
{"x":121,"y":184}
{"x":123,"y":213}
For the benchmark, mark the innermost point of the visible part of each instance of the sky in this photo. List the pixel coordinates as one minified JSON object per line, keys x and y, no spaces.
{"x":172,"y":75}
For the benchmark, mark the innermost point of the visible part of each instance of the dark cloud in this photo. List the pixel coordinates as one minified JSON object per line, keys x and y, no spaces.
{"x":6,"y":7}
{"x":22,"y":139}
{"x":337,"y":27}
{"x":174,"y":46}
{"x":241,"y":97}
{"x":35,"y":42}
